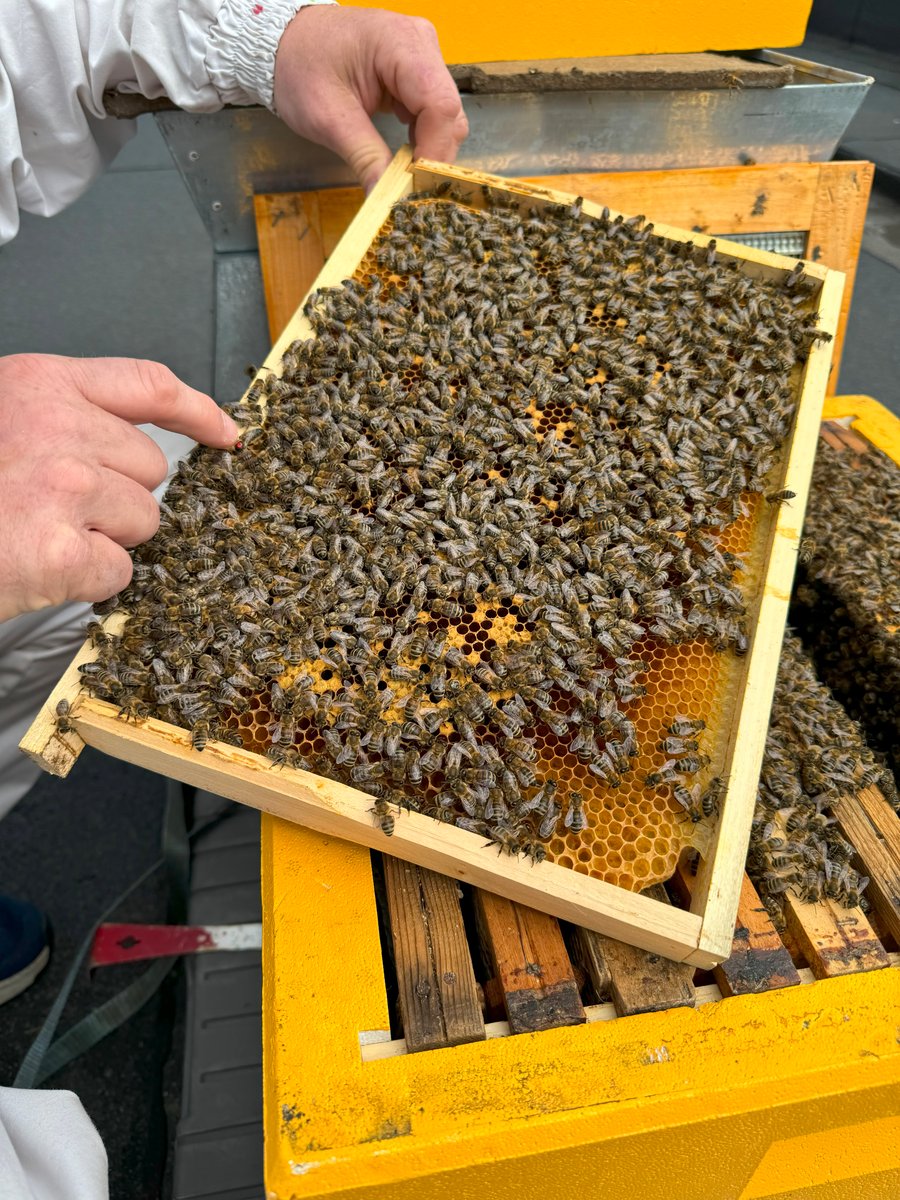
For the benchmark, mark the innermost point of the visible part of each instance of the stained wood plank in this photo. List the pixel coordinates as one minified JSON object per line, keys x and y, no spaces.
{"x":882,"y":817}
{"x":291,"y":252}
{"x":337,"y":208}
{"x":439,"y":1001}
{"x":590,"y":951}
{"x":835,"y":233}
{"x":710,"y":200}
{"x":840,"y":438}
{"x":872,"y":826}
{"x":759,"y":960}
{"x":832,"y":939}
{"x":640,"y":982}
{"x":531,"y":964}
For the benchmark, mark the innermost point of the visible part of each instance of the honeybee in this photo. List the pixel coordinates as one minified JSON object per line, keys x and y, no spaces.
{"x":780,"y":497}
{"x":505,"y":837}
{"x":677,"y":745}
{"x":709,"y":801}
{"x":666,"y":774}
{"x":870,"y":776}
{"x":384,"y":818}
{"x":575,"y":819}
{"x":200,"y":734}
{"x":63,"y":724}
{"x":96,"y":634}
{"x":692,"y":763}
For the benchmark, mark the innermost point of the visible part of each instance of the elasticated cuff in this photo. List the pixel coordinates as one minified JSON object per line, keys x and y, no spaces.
{"x":240,"y":54}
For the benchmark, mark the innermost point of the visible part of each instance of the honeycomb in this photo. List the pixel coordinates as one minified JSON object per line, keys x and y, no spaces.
{"x":634,"y":833}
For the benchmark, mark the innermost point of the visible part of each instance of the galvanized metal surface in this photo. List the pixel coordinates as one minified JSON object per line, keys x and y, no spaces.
{"x":242,"y":333}
{"x":225,"y":157}
{"x":792,"y":242}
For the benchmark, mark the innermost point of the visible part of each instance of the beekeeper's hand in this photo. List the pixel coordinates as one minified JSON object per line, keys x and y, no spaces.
{"x":76,"y":477}
{"x":335,"y":67}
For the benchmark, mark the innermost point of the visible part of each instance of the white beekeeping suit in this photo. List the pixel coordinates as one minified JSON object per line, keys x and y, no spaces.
{"x":57,"y":57}
{"x":48,"y":1148}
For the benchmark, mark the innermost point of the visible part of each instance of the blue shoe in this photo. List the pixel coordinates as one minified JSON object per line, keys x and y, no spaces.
{"x":24,"y":946}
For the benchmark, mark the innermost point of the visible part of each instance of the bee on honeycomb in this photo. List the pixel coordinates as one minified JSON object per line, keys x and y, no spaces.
{"x":469,"y":519}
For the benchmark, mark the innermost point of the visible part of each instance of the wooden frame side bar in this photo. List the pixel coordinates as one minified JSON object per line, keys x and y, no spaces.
{"x":717,"y":890}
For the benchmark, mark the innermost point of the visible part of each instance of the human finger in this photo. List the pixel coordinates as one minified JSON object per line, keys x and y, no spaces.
{"x":140,"y":391}
{"x":424,"y":86}
{"x":108,"y":569}
{"x":115,"y":507}
{"x":87,"y":564}
{"x":120,"y":447}
{"x":401,"y":112}
{"x":345,"y":127}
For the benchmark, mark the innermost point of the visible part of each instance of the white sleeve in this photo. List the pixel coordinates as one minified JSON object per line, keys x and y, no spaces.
{"x":57,"y":57}
{"x":49,"y":1148}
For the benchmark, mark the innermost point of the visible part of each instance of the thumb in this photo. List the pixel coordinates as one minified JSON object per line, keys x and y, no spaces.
{"x":351,"y":134}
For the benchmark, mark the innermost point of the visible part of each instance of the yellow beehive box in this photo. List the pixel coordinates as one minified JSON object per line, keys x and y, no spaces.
{"x":475,"y":32}
{"x":750,"y":1097}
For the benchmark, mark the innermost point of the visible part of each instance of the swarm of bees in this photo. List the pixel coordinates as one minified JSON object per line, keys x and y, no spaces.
{"x":815,"y":753}
{"x":848,"y":607}
{"x":533,"y":420}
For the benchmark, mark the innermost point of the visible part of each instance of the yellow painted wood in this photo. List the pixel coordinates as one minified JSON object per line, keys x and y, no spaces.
{"x":870,"y":419}
{"x":801,"y":1164}
{"x":471,"y":31}
{"x":663,"y":1099}
{"x":323,"y":985}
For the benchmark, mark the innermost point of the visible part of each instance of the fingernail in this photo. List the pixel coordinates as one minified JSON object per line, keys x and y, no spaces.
{"x":230,"y":431}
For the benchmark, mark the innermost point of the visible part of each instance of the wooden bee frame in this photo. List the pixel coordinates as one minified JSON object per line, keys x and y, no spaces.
{"x":701,"y":936}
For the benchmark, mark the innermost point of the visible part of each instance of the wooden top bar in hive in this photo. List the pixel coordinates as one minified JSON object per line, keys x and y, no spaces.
{"x":636,"y":834}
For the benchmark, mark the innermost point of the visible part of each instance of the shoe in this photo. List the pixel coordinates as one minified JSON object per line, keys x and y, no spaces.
{"x":24,"y":946}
